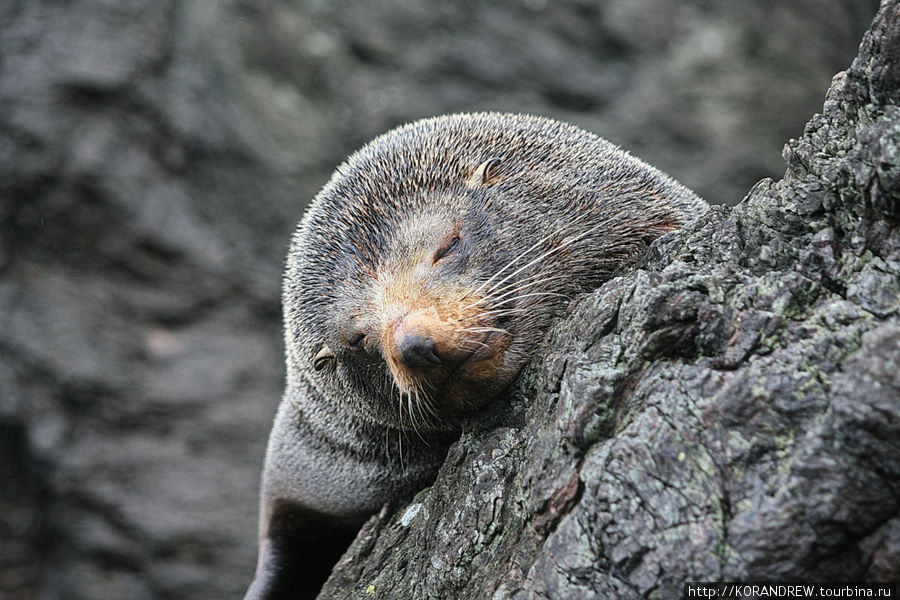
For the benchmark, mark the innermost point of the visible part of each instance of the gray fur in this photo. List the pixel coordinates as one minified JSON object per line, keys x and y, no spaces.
{"x":335,"y":448}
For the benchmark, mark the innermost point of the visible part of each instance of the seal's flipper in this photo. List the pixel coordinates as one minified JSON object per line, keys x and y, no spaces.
{"x":297,"y":554}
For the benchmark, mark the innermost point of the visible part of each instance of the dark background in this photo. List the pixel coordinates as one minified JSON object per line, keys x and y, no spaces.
{"x":155,"y":157}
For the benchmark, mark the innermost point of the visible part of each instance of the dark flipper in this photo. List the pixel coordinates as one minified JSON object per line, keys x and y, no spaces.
{"x":298,"y":553}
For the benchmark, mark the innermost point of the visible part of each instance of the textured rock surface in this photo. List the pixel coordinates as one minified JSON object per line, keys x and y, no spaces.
{"x":155,"y":156}
{"x":732,"y":411}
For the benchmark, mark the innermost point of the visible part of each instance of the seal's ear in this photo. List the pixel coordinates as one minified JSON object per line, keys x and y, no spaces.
{"x":324,"y":358}
{"x":487,"y":174}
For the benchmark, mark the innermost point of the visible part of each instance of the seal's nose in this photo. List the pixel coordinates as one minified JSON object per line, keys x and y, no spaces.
{"x":420,"y":339}
{"x":417,"y":351}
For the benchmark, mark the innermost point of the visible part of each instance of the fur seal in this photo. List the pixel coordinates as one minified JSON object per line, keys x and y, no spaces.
{"x":416,"y":287}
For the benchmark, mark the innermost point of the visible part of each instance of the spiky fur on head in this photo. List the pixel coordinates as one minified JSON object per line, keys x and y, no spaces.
{"x":544,"y":210}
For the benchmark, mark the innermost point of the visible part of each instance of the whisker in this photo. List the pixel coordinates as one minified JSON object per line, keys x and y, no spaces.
{"x":539,"y":258}
{"x":483,"y":329}
{"x":496,"y":314}
{"x":513,"y":286}
{"x":565,"y":244}
{"x":530,"y":280}
{"x":472,"y":348}
{"x":575,"y":221}
{"x":400,"y":429}
{"x":520,"y":297}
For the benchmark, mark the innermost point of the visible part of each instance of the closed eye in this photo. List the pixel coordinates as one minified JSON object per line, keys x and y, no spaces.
{"x":448,"y":247}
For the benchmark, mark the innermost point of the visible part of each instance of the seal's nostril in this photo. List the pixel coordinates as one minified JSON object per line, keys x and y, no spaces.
{"x":418,"y":351}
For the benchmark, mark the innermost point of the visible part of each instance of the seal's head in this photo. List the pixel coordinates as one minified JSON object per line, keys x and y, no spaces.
{"x":412,"y":327}
{"x":426,"y":270}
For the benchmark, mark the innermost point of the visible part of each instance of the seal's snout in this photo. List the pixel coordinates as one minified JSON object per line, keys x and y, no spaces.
{"x":439,"y":355}
{"x":420,"y":339}
{"x":417,"y":351}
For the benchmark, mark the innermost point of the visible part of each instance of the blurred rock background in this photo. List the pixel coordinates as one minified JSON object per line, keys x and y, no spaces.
{"x":155,"y":156}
